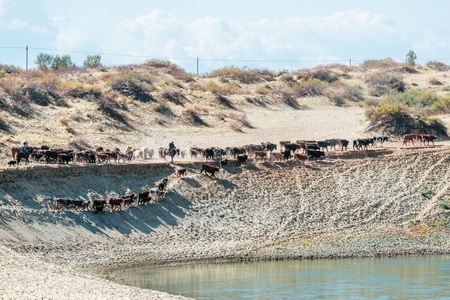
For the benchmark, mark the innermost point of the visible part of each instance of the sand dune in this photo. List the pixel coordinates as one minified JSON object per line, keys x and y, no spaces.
{"x":382,"y":202}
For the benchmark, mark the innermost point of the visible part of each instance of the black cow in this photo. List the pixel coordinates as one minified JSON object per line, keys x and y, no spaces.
{"x":98,"y":205}
{"x":236,"y":151}
{"x":209,"y":169}
{"x":51,"y":156}
{"x":287,"y":154}
{"x":343,"y":143}
{"x":209,"y":153}
{"x":323,"y":145}
{"x":293,"y":147}
{"x":315,"y":154}
{"x":269,"y":146}
{"x":241,"y":159}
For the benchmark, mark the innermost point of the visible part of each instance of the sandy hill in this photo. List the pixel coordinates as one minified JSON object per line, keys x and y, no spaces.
{"x":391,"y":200}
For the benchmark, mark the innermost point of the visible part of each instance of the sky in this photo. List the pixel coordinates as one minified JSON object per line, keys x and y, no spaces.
{"x":204,"y":35}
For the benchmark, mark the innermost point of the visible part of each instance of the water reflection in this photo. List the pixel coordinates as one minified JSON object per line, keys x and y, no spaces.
{"x":423,"y":277}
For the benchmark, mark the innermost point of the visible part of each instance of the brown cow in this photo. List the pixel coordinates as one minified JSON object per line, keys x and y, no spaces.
{"x":209,"y":169}
{"x":300,"y":157}
{"x":180,"y":172}
{"x":115,"y":202}
{"x":276,"y":156}
{"x":427,"y":138}
{"x":260,"y":154}
{"x":409,"y":138}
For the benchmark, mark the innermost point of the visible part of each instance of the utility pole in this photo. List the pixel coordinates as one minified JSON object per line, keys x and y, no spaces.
{"x":26,"y":63}
{"x":197,"y":66}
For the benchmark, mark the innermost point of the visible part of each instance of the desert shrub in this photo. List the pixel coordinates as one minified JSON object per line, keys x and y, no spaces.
{"x":80,"y":144}
{"x":321,"y":74}
{"x":441,"y":105}
{"x":173,"y":96}
{"x":414,"y":98}
{"x":223,"y":101}
{"x":193,"y":118}
{"x":4,"y":127}
{"x":160,"y":64}
{"x":132,"y":87}
{"x":339,"y":93}
{"x":170,"y":68}
{"x":392,"y":119}
{"x":309,"y":88}
{"x":9,"y":69}
{"x":228,"y":88}
{"x":382,"y":83}
{"x":240,"y":121}
{"x":386,"y":63}
{"x":434,"y":81}
{"x":110,"y":108}
{"x":436,"y":65}
{"x":397,"y":119}
{"x":163,"y":109}
{"x":243,"y":76}
{"x":41,"y":96}
{"x":76,"y":89}
{"x":263,"y":90}
{"x":290,"y":101}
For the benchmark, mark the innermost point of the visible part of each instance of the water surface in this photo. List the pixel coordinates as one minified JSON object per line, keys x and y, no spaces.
{"x":418,"y":277}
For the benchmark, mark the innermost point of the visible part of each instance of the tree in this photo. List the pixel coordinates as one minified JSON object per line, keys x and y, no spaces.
{"x":62,"y":62}
{"x":411,"y":58}
{"x":92,"y":61}
{"x":44,"y":61}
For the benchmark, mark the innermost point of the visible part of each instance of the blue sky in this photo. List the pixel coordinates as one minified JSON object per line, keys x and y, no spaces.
{"x":256,"y":34}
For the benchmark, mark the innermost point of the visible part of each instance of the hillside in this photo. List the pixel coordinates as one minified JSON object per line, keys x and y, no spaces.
{"x":390,"y":200}
{"x":151,"y":104}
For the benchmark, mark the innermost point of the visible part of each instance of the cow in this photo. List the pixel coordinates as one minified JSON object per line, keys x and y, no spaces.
{"x":332,"y":143}
{"x":115,"y":203}
{"x":60,"y":203}
{"x":21,"y":156}
{"x":260,"y":155}
{"x":209,"y":153}
{"x":300,"y":157}
{"x":269,"y":146}
{"x":143,"y":197}
{"x":409,"y":138}
{"x":64,"y":158}
{"x":235,"y":151}
{"x":315,"y":154}
{"x":128,"y":199}
{"x":343,"y":144}
{"x":380,"y":140}
{"x":98,"y":205}
{"x":287,"y":154}
{"x":51,"y":155}
{"x":209,"y":169}
{"x":276,"y":156}
{"x":323,"y":145}
{"x":428,"y":138}
{"x":180,"y":172}
{"x":292,"y":147}
{"x":241,"y":159}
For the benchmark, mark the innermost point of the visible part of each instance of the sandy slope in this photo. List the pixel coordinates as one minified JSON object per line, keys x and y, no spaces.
{"x":382,"y":203}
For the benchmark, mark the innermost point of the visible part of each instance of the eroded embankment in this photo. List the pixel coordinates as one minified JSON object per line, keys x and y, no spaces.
{"x":384,"y":205}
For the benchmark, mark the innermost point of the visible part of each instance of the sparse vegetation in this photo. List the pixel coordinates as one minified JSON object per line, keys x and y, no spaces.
{"x":395,"y":102}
